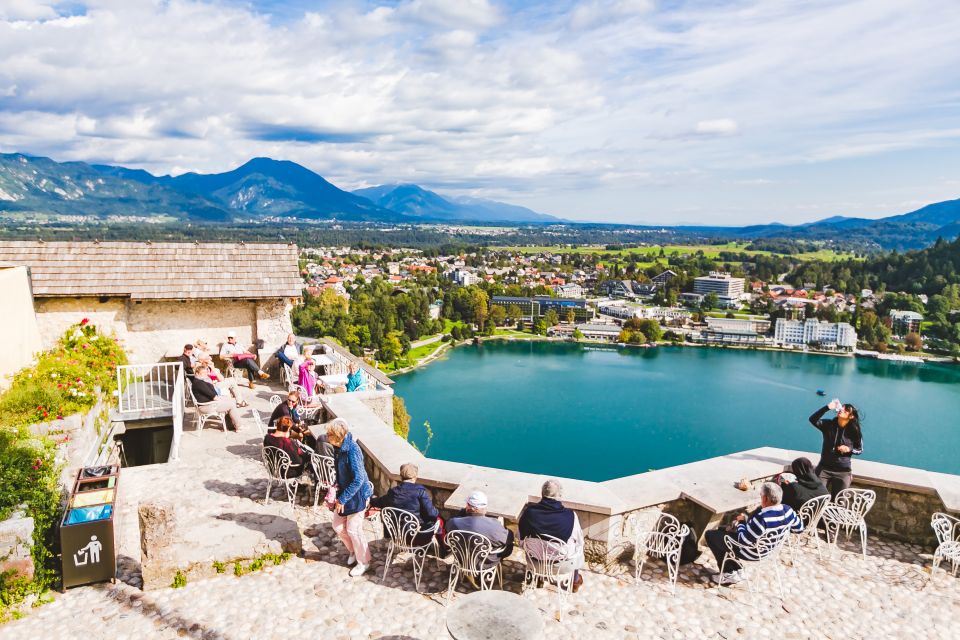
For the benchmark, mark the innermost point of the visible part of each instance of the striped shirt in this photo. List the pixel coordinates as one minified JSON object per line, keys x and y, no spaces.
{"x":771,"y":517}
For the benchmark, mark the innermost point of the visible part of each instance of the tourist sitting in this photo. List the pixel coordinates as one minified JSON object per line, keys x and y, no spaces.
{"x":242,"y":358}
{"x":212,"y":400}
{"x":221,"y":381}
{"x":801,"y":484}
{"x":550,"y":518}
{"x":200,"y":349}
{"x":745,"y":529}
{"x":474,"y":519}
{"x":188,"y":359}
{"x":414,"y":498}
{"x":281,"y":440}
{"x":353,"y":496}
{"x":289,"y":351}
{"x":303,"y":357}
{"x":355,"y":378}
{"x":289,"y":409}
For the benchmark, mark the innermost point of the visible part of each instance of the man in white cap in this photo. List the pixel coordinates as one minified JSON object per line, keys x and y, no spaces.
{"x":474,"y":518}
{"x":241,"y":358}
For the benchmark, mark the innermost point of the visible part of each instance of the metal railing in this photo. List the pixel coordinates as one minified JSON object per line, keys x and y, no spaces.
{"x":149,"y":387}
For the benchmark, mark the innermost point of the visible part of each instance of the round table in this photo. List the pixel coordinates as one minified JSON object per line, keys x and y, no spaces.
{"x":493,"y":615}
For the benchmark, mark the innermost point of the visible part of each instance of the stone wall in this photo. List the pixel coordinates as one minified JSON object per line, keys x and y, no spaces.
{"x":902,"y":514}
{"x":18,"y":320}
{"x":16,"y":542}
{"x":149,"y":330}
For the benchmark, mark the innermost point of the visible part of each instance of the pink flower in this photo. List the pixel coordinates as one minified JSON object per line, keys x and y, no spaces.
{"x":84,"y":322}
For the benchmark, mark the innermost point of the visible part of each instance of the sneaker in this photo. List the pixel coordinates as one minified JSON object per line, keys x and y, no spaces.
{"x":359,"y":570}
{"x":730,"y":577}
{"x":351,"y":560}
{"x":264,"y":375}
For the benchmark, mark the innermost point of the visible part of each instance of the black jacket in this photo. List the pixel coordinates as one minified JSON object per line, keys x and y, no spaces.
{"x":833,"y":437}
{"x":187,"y":365}
{"x":283,"y":410}
{"x":409,"y":497}
{"x":796,"y":493}
{"x":548,"y":517}
{"x":203,"y":391}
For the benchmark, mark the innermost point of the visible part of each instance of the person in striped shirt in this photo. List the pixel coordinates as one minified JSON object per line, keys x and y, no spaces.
{"x":770,"y":515}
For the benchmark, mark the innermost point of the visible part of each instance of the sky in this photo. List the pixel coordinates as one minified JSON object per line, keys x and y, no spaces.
{"x":634,"y":111}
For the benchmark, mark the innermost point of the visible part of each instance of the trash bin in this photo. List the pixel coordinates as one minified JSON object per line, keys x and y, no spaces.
{"x":88,"y":549}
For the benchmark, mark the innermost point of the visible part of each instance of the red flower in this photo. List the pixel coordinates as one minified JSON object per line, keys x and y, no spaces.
{"x":45,"y":414}
{"x":84,"y":322}
{"x":59,"y":417}
{"x":37,"y":464}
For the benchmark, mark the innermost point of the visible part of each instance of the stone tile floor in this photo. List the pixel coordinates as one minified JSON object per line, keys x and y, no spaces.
{"x":887,"y":595}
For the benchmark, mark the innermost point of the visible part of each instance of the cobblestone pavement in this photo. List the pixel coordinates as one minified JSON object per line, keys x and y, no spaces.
{"x":887,"y":595}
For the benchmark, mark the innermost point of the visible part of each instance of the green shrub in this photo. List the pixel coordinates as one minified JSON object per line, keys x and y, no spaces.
{"x":179,"y":580}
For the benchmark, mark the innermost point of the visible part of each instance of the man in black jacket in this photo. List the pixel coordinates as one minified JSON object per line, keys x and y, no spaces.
{"x":188,"y":360}
{"x":210,"y":400}
{"x":550,"y":518}
{"x":414,"y":498}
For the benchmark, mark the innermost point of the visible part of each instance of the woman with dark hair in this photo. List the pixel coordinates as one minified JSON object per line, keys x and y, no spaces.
{"x":803,"y":486}
{"x":842,"y":438}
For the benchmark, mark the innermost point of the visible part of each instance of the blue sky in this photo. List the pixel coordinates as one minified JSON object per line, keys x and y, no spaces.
{"x":648,"y":111}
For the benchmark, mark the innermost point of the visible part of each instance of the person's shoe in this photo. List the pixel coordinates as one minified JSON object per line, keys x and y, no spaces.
{"x":264,"y":375}
{"x":359,"y":570}
{"x":577,"y":583}
{"x":251,"y":385}
{"x":730,"y":577}
{"x":351,"y":560}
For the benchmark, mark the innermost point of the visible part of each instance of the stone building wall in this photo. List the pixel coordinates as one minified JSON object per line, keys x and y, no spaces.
{"x":902,"y":514}
{"x":18,"y":320}
{"x":152,"y":329}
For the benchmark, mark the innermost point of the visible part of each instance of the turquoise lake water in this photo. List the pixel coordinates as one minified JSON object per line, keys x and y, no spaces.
{"x":596,"y":413}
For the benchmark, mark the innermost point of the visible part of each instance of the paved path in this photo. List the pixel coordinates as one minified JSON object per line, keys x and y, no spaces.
{"x":888,"y":595}
{"x":430,"y":340}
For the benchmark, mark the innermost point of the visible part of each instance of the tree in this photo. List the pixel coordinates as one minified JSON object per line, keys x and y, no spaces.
{"x":551,"y":318}
{"x":626,"y":335}
{"x":391,"y":347}
{"x":498,"y":315}
{"x":710,"y":301}
{"x":913,"y":341}
{"x":540,"y":327}
{"x":479,"y":305}
{"x":651,"y":329}
{"x":515,"y":315}
{"x":571,"y":316}
{"x":577,"y":335}
{"x":401,"y":419}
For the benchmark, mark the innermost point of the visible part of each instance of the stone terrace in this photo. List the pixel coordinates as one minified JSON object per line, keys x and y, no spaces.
{"x":219,"y":485}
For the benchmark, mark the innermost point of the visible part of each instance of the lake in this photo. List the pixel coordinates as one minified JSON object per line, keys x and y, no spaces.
{"x":595,"y":413}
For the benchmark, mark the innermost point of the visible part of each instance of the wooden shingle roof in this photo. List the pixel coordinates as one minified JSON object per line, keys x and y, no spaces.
{"x":159,"y":270}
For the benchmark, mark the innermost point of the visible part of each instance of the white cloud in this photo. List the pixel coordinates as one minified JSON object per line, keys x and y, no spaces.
{"x":27,"y":10}
{"x":720,"y":127}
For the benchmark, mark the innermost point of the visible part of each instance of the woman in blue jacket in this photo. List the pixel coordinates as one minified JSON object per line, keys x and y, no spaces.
{"x":353,"y":495}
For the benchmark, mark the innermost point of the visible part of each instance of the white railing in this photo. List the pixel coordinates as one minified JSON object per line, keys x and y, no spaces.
{"x":178,"y":406}
{"x":149,"y":387}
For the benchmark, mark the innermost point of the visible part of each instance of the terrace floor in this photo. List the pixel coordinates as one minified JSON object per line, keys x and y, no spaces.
{"x":220,"y":483}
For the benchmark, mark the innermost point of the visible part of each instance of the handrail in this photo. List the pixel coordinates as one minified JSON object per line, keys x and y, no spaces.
{"x":149,"y":387}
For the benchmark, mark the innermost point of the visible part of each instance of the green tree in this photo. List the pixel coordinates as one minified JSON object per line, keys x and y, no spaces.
{"x":540,"y":327}
{"x":498,"y":315}
{"x":577,"y":335}
{"x":710,"y":301}
{"x":401,"y":419}
{"x":514,"y":315}
{"x":651,"y":329}
{"x":551,"y":318}
{"x":391,"y":348}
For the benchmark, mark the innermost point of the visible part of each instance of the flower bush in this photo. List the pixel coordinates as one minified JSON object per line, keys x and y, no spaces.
{"x":63,"y":381}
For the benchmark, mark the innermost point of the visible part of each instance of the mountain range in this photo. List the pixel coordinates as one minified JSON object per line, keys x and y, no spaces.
{"x":268,"y":188}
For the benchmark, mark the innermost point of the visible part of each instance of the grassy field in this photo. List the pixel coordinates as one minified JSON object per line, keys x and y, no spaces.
{"x":709,"y":250}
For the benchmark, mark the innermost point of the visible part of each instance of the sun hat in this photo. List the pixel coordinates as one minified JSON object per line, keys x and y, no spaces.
{"x":231,"y":334}
{"x":477,"y":500}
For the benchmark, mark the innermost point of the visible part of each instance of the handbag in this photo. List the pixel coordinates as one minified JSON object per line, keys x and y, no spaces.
{"x":330,"y":500}
{"x":243,"y":356}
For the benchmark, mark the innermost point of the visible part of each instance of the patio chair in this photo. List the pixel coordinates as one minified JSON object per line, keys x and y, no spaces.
{"x":471,"y":552}
{"x":204,"y":418}
{"x":402,"y":528}
{"x":810,"y":514}
{"x":847,"y":512}
{"x":286,"y":373}
{"x":325,"y":470}
{"x":947,"y":528}
{"x":663,"y":540}
{"x":766,"y":550}
{"x":551,"y":560}
{"x":278,"y":463}
{"x":257,"y":420}
{"x":275,"y":399}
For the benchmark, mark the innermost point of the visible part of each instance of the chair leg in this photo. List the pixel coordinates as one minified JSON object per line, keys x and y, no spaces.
{"x":641,"y":560}
{"x":419,"y":557}
{"x":863,"y":538}
{"x":266,"y":498}
{"x":452,"y":582}
{"x":386,"y":564}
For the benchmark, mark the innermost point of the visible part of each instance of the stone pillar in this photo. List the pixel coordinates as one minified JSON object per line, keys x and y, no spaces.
{"x":273,"y":325}
{"x":157,"y":536}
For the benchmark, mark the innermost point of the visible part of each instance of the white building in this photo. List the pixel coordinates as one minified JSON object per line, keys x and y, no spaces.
{"x":739,"y":325}
{"x":726,"y":287}
{"x":599,"y":331}
{"x":464,"y":278}
{"x":837,"y":335}
{"x":571,"y":290}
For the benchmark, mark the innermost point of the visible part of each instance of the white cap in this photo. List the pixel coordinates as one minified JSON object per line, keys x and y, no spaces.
{"x":231,"y":334}
{"x":477,"y":500}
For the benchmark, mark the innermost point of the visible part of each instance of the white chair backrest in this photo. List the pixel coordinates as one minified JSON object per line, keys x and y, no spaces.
{"x":288,"y":376}
{"x":858,"y":501}
{"x":811,"y":510}
{"x":326,"y":469}
{"x":193,"y":398}
{"x":470,"y":550}
{"x":277,"y":461}
{"x":946,"y":527}
{"x":275,"y":400}
{"x":402,"y":526}
{"x":666,"y":537}
{"x":546,"y":555}
{"x":770,"y":541}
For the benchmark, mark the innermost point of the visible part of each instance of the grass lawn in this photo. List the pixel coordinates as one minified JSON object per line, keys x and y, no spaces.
{"x":709,"y":250}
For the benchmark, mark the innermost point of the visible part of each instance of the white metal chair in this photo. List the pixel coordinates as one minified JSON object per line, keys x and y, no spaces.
{"x":278,"y":463}
{"x":663,"y":540}
{"x":471,"y":552}
{"x":947,"y":528}
{"x":286,"y":371}
{"x":766,"y":550}
{"x":275,"y":399}
{"x":204,"y":418}
{"x":325,"y":470}
{"x":551,"y":560}
{"x":402,"y":528}
{"x":257,"y":420}
{"x":810,"y":514}
{"x":847,"y":512}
